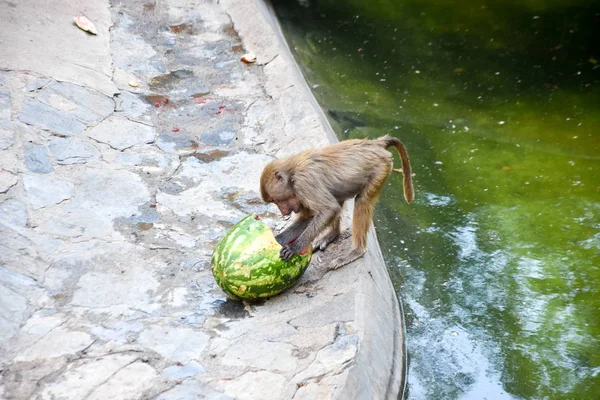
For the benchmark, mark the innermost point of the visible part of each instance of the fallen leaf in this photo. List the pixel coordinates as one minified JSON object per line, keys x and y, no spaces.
{"x":133,"y":84}
{"x":85,"y":24}
{"x":249,"y":58}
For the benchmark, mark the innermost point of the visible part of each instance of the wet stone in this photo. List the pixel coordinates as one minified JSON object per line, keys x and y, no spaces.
{"x":69,"y":151}
{"x":209,"y":156}
{"x":88,"y":106}
{"x":43,"y":116}
{"x":43,"y":191}
{"x":220,"y":137}
{"x":147,"y":215}
{"x":133,"y":107}
{"x":247,"y":201}
{"x":131,"y":53}
{"x":195,"y":264}
{"x":171,"y":143}
{"x":14,"y":212}
{"x":36,"y":158}
{"x":207,"y":52}
{"x":232,"y":309}
{"x":180,"y":83}
{"x":147,"y":156}
{"x":121,"y":133}
{"x":172,"y":187}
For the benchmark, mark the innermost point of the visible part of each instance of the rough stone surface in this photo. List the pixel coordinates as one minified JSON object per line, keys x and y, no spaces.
{"x":176,"y":372}
{"x":133,"y":107}
{"x":36,"y":158}
{"x":111,"y":206}
{"x":17,"y":291}
{"x":5,"y":104}
{"x":86,"y":105}
{"x":175,"y":344}
{"x":43,"y":191}
{"x":80,"y":379}
{"x":70,"y":151}
{"x":7,"y":135}
{"x":13,"y":211}
{"x":57,"y":343}
{"x":256,"y":385}
{"x":41,"y":115}
{"x":39,"y":36}
{"x":7,"y":181}
{"x":121,"y":133}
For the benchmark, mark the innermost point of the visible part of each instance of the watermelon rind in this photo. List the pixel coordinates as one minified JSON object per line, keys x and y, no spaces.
{"x":246,"y":262}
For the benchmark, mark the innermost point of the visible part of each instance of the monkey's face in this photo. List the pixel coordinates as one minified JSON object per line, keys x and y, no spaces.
{"x":288,"y":205}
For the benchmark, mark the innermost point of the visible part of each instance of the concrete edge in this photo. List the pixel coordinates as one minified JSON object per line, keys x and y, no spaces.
{"x":378,"y":370}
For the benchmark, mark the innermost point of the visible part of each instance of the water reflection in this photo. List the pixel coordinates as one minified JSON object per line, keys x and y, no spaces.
{"x":498,"y":259}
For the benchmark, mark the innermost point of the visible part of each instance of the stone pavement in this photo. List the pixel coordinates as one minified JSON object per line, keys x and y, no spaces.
{"x":112,"y":198}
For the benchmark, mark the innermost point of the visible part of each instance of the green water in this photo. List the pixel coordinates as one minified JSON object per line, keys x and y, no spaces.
{"x":497,"y":261}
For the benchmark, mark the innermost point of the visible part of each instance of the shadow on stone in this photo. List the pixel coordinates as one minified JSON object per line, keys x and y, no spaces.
{"x":234,"y":309}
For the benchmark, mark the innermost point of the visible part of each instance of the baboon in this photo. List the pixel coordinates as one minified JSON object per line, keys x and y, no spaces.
{"x":315,"y":184}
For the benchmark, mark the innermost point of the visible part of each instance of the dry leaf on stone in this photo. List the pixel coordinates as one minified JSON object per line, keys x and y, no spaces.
{"x":85,"y":24}
{"x":249,"y":58}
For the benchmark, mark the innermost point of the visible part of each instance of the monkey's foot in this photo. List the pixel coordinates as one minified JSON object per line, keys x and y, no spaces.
{"x":346,"y":259}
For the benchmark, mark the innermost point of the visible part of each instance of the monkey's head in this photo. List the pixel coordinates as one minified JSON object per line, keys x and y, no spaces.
{"x":276,"y":186}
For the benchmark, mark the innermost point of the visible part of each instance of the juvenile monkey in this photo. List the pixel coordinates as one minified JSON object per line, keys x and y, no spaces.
{"x":315,"y":183}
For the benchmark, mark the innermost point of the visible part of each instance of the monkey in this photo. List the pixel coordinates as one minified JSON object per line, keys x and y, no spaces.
{"x":314,"y":185}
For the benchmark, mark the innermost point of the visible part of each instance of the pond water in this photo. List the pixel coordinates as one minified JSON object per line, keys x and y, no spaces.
{"x":497,"y":262}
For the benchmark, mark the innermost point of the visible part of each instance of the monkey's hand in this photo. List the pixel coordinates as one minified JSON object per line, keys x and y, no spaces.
{"x":289,"y":250}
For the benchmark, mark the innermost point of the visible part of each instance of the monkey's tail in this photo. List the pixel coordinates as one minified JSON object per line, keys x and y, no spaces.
{"x":389,"y":141}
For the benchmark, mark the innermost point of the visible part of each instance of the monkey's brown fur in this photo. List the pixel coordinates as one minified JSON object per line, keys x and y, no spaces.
{"x":315,"y":183}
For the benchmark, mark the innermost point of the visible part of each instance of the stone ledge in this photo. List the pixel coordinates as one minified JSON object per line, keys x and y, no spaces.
{"x":378,"y":367}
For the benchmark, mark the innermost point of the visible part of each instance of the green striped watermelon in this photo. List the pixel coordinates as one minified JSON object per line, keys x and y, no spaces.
{"x":246,"y":262}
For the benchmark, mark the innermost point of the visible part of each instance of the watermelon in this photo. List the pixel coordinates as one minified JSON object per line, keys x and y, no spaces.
{"x":246,"y":262}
